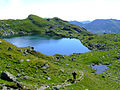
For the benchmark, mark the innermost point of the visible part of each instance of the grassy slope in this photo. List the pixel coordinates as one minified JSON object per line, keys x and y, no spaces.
{"x":11,"y":61}
{"x":37,"y":25}
{"x":61,"y":69}
{"x":92,"y":80}
{"x":102,"y":42}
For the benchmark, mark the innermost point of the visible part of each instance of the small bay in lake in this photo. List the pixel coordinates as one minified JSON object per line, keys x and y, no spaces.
{"x":48,"y":45}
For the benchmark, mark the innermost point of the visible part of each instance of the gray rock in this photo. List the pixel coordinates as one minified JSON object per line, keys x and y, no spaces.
{"x":67,"y":64}
{"x":48,"y":78}
{"x":62,"y":70}
{"x":28,"y":60}
{"x":8,"y":76}
{"x":20,"y":50}
{"x":26,"y":77}
{"x":0,"y":42}
{"x":18,"y":75}
{"x":45,"y":66}
{"x":21,"y":60}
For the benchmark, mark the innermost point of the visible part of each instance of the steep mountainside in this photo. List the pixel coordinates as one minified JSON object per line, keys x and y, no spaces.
{"x":101,"y":26}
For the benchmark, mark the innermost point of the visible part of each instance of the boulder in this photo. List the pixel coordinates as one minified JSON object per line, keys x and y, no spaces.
{"x":21,"y":60}
{"x":18,"y":75}
{"x":45,"y":66}
{"x":8,"y":76}
{"x":0,"y":42}
{"x":19,"y":50}
{"x":28,"y":60}
{"x":48,"y":78}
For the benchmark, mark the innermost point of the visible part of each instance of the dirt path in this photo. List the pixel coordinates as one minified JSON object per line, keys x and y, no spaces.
{"x":66,"y":83}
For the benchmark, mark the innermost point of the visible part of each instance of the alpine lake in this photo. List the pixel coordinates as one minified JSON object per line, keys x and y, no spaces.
{"x":49,"y":45}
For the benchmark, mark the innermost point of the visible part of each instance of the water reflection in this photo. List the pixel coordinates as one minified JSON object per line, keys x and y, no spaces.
{"x":50,"y":46}
{"x":99,"y":68}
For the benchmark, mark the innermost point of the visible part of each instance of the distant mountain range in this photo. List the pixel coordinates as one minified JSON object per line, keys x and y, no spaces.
{"x":100,"y":26}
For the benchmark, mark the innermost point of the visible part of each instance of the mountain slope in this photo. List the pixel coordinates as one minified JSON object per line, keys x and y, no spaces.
{"x":34,"y":70}
{"x":37,"y":25}
{"x":101,"y":26}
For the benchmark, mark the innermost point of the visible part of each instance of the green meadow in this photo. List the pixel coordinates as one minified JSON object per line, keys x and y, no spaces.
{"x":35,"y":70}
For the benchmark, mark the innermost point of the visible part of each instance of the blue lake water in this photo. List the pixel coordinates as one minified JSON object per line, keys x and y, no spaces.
{"x":48,"y":45}
{"x":99,"y":68}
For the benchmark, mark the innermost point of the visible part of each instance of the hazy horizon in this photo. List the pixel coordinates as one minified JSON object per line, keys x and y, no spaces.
{"x":70,"y":10}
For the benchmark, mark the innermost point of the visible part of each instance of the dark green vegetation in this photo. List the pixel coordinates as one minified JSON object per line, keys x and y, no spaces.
{"x":33,"y":69}
{"x":37,"y":25}
{"x":100,"y":26}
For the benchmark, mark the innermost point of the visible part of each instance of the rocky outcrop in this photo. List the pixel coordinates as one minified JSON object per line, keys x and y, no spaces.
{"x":8,"y":76}
{"x":45,"y":66}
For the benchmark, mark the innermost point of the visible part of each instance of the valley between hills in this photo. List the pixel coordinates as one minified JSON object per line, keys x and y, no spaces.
{"x":23,"y":68}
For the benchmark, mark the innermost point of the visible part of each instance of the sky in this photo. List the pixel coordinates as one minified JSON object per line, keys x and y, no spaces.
{"x":80,"y":10}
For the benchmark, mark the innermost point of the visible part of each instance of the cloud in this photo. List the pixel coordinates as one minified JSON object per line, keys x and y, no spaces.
{"x":64,"y":9}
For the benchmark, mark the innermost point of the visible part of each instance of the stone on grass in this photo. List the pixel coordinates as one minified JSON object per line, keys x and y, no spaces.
{"x":45,"y":66}
{"x":20,"y":50}
{"x":8,"y":76}
{"x":48,"y":78}
{"x":62,"y":70}
{"x":18,"y":75}
{"x":0,"y":42}
{"x":21,"y":60}
{"x":27,"y":60}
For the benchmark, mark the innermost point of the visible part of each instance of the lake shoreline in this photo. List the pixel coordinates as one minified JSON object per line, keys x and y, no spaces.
{"x":55,"y":44}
